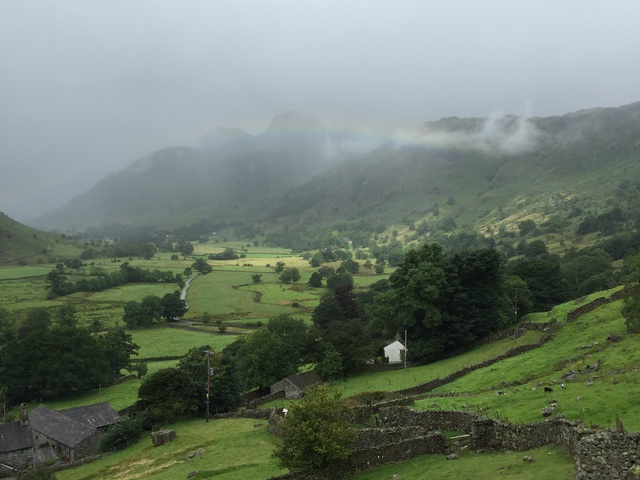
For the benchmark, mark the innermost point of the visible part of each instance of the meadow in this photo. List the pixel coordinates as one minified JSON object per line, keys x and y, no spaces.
{"x":235,"y":448}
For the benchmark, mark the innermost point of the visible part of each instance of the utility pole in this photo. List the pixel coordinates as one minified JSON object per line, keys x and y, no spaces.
{"x":405,"y":349}
{"x":209,"y":373}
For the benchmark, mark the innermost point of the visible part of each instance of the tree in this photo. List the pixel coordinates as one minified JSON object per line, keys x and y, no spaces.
{"x":264,"y":359}
{"x":289,"y":275}
{"x":171,"y":393}
{"x":143,"y":314}
{"x":173,"y":307}
{"x":201,"y":265}
{"x":317,"y":431}
{"x":518,"y":295}
{"x":7,"y":326}
{"x":315,"y":280}
{"x":526,"y":227}
{"x":58,"y":283}
{"x":37,"y":319}
{"x":57,"y":361}
{"x":631,"y":303}
{"x":545,"y":281}
{"x":280,"y":267}
{"x":118,"y":347}
{"x":350,"y":266}
{"x":66,"y":315}
{"x":330,"y":366}
{"x":256,"y":278}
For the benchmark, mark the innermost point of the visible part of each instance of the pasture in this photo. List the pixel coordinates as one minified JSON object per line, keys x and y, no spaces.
{"x":169,"y":342}
{"x":226,"y":449}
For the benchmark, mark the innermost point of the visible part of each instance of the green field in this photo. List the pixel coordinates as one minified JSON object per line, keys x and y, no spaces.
{"x":167,"y":341}
{"x":231,"y":449}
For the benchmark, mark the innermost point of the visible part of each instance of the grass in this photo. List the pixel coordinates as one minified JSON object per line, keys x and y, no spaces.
{"x":167,"y":341}
{"x":229,"y":449}
{"x":401,"y":379}
{"x":551,"y":463}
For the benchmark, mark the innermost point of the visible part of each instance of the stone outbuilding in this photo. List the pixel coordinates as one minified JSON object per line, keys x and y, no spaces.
{"x":45,"y":434}
{"x":16,"y":447}
{"x":295,"y":385}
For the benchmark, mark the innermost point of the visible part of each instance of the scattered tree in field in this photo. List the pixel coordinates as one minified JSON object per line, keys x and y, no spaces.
{"x":173,"y":307}
{"x":290,"y":275}
{"x":317,"y":432}
{"x":201,"y":265}
{"x":144,"y":313}
{"x":256,"y":278}
{"x":315,"y":280}
{"x":206,"y":318}
{"x":280,"y":267}
{"x":58,"y":284}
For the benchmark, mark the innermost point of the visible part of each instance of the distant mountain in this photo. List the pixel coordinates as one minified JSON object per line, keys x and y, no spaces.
{"x":455,"y":174}
{"x":230,"y":174}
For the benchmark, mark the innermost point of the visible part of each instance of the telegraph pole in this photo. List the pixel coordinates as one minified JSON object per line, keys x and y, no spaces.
{"x":209,"y":373}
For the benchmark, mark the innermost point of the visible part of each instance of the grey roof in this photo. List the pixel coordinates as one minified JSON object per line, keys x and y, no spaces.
{"x":302,"y":381}
{"x":14,"y":436}
{"x":59,"y":427}
{"x":94,"y":416}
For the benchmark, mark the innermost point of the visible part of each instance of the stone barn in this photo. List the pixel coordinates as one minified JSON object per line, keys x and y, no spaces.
{"x":295,"y":385}
{"x":73,"y":433}
{"x":16,"y":447}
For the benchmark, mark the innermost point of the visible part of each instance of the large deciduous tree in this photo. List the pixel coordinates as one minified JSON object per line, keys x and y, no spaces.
{"x":317,"y":431}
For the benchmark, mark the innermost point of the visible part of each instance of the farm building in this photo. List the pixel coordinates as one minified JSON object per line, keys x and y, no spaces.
{"x":44,"y":434}
{"x":394,"y":352}
{"x":16,"y":447}
{"x":295,"y":385}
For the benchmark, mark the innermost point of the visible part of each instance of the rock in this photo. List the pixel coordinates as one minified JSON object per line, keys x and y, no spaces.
{"x":547,"y":411}
{"x":193,"y":473}
{"x":528,"y":458}
{"x":452,"y":456}
{"x":614,"y":337}
{"x":161,"y":437}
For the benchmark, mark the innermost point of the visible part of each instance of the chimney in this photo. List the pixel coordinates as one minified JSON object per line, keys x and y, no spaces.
{"x":24,"y":415}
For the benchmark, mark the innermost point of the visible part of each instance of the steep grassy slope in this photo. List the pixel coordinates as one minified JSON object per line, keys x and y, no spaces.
{"x":19,"y":243}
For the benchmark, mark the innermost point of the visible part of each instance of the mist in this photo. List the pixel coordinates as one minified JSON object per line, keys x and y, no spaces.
{"x":90,"y":87}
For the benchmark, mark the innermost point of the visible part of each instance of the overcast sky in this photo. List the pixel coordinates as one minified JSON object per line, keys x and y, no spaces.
{"x":89,"y":86}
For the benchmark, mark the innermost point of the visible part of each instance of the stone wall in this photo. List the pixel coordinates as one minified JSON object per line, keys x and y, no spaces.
{"x":266,"y":399}
{"x":429,"y":420}
{"x":18,"y":459}
{"x":496,"y":435}
{"x":608,"y":455}
{"x":438,"y":382}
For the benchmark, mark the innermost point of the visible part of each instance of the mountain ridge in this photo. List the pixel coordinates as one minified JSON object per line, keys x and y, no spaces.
{"x":282,"y":177}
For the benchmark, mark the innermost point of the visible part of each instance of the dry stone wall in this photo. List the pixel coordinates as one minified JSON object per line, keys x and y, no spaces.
{"x":608,"y":455}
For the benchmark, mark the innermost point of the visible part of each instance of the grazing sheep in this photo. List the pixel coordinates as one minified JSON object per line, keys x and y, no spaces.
{"x":500,"y":393}
{"x":562,"y":386}
{"x":548,"y":389}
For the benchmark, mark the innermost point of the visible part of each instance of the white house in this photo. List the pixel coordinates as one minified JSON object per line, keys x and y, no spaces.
{"x":393,"y":352}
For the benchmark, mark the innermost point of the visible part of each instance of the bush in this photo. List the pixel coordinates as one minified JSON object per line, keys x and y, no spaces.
{"x":121,"y":435}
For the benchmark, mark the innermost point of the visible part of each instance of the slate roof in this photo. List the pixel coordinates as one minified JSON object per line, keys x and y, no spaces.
{"x":94,"y":416}
{"x":59,"y":427}
{"x":14,"y":436}
{"x":302,"y":381}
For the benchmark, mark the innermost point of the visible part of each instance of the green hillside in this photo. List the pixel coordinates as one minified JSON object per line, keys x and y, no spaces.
{"x":20,"y":244}
{"x":448,"y":177}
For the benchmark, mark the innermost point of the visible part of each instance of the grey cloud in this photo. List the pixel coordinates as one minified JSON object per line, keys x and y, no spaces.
{"x":89,"y":87}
